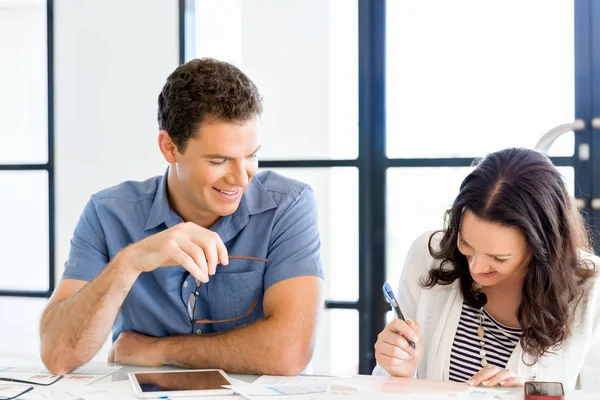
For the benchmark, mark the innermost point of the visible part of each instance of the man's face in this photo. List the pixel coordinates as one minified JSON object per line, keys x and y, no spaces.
{"x":214,"y":170}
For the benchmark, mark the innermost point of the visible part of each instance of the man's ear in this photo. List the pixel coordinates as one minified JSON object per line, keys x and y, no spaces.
{"x":167,"y":147}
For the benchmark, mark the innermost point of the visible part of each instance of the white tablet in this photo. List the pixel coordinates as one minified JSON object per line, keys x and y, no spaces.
{"x":163,"y":384}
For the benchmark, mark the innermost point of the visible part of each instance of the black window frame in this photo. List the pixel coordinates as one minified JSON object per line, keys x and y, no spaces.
{"x":372,"y":162}
{"x":48,"y":166}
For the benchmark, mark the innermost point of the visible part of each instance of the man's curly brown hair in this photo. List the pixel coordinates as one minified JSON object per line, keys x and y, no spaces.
{"x":205,"y":90}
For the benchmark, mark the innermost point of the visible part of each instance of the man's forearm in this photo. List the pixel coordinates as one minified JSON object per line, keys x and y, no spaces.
{"x":73,"y":330}
{"x":264,"y":347}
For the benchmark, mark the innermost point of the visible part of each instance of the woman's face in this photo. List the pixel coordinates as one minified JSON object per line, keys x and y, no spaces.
{"x":495,"y":253}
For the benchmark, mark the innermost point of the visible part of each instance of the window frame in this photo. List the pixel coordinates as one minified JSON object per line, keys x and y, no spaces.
{"x":372,"y":162}
{"x":48,"y":166}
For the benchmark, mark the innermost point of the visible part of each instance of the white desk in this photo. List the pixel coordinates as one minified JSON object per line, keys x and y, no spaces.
{"x":121,"y":375}
{"x":517,"y":393}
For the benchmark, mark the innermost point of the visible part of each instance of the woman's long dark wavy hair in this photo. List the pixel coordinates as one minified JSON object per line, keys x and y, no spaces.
{"x":520,"y":188}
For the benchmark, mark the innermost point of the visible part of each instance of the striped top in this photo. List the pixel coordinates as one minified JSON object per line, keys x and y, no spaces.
{"x":499,"y":343}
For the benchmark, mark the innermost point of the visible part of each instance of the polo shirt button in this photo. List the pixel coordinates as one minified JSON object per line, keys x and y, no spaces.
{"x":185,"y":284}
{"x":198,"y":331}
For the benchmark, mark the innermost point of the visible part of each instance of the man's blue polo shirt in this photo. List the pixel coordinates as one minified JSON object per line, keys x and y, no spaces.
{"x":276,"y":219}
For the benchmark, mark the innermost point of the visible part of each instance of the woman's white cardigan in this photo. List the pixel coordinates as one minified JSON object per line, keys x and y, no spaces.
{"x":576,"y":364}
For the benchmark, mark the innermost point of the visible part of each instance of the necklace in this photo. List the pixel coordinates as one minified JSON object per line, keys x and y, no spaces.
{"x":481,"y":334}
{"x":476,"y":288}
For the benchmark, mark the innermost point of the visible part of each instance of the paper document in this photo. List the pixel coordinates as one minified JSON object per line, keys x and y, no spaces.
{"x":79,"y":377}
{"x":303,"y":379}
{"x":8,"y":391}
{"x":480,"y":393}
{"x":42,"y":394}
{"x":113,"y":390}
{"x":400,"y":388}
{"x":37,"y":393}
{"x":42,"y":371}
{"x":91,"y":393}
{"x":291,"y":391}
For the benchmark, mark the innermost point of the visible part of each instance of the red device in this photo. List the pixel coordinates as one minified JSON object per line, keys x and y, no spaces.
{"x":544,"y":391}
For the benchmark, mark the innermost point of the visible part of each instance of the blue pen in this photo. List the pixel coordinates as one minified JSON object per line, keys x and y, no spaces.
{"x":389,"y":296}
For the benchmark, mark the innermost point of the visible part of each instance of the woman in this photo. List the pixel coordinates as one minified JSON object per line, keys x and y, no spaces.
{"x":506,"y":291}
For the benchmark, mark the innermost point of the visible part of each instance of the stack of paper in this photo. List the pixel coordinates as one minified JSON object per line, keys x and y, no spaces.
{"x":296,"y":391}
{"x":81,"y":376}
{"x":400,"y":388}
{"x":60,"y":390}
{"x":356,"y":388}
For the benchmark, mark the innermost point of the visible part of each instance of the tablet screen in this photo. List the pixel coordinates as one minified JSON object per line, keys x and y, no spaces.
{"x":152,"y":382}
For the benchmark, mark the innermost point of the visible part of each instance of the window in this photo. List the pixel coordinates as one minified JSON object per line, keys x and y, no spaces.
{"x":375,"y":108}
{"x":453,"y":80}
{"x":405,"y":94}
{"x":26,"y":158}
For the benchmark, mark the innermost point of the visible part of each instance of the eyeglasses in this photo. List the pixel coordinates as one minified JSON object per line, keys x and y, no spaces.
{"x":193,"y":299}
{"x":29,"y":389}
{"x":32,"y":382}
{"x":16,"y":396}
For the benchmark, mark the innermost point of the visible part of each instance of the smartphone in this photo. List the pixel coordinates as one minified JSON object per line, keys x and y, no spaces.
{"x":544,"y":391}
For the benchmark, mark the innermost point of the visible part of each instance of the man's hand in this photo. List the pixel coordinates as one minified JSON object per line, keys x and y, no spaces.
{"x":197,"y":249}
{"x":492,"y":376}
{"x":136,"y":349}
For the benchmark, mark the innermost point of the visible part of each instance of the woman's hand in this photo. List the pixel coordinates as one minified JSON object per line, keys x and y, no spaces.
{"x":492,"y":376}
{"x":392,"y":351}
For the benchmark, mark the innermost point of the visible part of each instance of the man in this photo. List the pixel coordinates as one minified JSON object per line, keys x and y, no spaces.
{"x":154,"y":260}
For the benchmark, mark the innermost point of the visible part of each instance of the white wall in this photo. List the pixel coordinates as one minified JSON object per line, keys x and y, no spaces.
{"x":111,"y":60}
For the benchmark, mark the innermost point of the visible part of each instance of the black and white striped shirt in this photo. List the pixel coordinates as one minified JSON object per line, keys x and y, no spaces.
{"x":465,"y":358}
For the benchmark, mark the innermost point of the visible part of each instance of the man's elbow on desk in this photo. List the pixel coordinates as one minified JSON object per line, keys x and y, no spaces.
{"x":289,"y":360}
{"x":59,"y":356}
{"x":59,"y":362}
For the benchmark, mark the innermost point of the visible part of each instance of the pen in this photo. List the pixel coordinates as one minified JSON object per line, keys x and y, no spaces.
{"x":389,"y":296}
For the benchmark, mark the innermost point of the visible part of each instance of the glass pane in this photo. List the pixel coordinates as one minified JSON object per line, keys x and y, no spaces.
{"x":336,"y":193}
{"x":24,"y":216}
{"x":336,"y":349}
{"x":569,"y":174}
{"x":459,"y":83}
{"x":303,"y":56}
{"x":23,"y":79}
{"x":20,"y":336}
{"x":409,"y":214}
